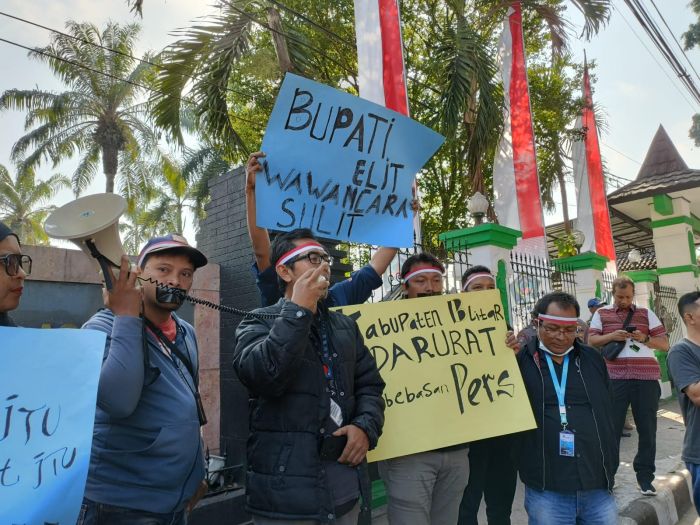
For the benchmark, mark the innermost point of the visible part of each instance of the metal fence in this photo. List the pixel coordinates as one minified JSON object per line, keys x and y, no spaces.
{"x":665,"y":308}
{"x":606,"y":290}
{"x":532,"y":278}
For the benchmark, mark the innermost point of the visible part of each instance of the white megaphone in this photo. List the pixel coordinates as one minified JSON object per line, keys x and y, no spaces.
{"x":92,"y":223}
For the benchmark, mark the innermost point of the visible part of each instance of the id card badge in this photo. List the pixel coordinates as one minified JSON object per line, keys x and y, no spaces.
{"x":566,"y":444}
{"x":336,"y":413}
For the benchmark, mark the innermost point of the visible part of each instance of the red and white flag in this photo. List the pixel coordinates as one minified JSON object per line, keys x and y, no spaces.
{"x":516,"y":186}
{"x":381,"y":69}
{"x":382,"y":76}
{"x":591,"y":203}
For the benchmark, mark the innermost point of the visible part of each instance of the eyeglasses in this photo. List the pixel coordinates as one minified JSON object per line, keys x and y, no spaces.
{"x":13,"y":262}
{"x":568,"y":331}
{"x":315,"y":258}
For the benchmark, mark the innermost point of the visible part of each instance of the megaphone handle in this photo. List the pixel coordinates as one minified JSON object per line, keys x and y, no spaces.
{"x":104,"y":264}
{"x":102,"y":261}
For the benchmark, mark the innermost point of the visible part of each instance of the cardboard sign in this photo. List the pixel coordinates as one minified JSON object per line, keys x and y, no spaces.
{"x":340,"y":165}
{"x":48,"y":390}
{"x":449,"y":377}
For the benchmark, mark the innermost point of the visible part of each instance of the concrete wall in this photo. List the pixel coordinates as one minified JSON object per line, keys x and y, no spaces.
{"x":65,"y":289}
{"x":224,"y":238}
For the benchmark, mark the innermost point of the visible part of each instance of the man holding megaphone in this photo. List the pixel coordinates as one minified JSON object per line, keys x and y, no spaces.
{"x":147,"y":461}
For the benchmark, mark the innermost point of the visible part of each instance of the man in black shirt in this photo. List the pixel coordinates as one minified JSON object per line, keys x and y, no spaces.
{"x":566,"y":463}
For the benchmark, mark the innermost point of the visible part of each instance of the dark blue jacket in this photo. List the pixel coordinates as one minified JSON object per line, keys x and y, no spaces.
{"x":147,"y":452}
{"x":278,"y":362}
{"x":594,"y":374}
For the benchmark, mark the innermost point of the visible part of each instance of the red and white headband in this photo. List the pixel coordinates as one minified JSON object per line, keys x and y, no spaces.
{"x":476,"y":276}
{"x":298,"y":250}
{"x":564,"y":321}
{"x":420,"y":271}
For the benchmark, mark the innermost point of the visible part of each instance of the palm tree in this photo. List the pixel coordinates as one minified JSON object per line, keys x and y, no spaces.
{"x":101,"y":116}
{"x":24,"y":202}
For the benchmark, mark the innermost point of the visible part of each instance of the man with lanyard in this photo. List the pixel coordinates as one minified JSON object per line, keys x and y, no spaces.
{"x":14,"y":268}
{"x":317,"y":405}
{"x":425,"y":488}
{"x":354,"y":290}
{"x":147,"y":461}
{"x":635,"y":372}
{"x":567,"y":462}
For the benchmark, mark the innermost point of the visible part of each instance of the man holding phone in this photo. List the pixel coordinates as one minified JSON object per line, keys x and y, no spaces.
{"x":635,"y":372}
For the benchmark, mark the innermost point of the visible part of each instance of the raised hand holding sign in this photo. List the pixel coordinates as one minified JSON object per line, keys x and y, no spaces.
{"x":340,"y":165}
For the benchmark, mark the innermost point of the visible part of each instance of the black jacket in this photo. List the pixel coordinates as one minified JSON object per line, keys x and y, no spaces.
{"x":594,"y":374}
{"x":279,"y":364}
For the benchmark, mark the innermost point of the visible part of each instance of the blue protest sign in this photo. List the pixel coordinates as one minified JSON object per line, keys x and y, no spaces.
{"x":340,"y":165}
{"x":48,"y":391}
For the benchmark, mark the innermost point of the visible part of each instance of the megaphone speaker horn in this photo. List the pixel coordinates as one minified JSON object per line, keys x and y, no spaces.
{"x":93,"y":219}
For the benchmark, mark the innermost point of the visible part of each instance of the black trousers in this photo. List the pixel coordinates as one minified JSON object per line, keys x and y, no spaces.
{"x":493,"y":474}
{"x":644,"y":396}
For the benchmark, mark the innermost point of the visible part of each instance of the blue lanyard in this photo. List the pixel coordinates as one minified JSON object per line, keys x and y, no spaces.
{"x":560,"y":388}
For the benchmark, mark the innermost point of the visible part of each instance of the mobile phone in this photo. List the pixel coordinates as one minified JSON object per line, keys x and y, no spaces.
{"x":631,"y":329}
{"x":332,"y":447}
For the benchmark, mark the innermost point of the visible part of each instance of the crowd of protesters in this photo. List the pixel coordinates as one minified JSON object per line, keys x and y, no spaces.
{"x":316,"y":403}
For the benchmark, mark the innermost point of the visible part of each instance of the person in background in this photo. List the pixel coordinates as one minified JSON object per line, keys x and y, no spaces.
{"x":684,"y":368}
{"x":567,"y":462}
{"x":147,"y":460}
{"x":529,"y":331}
{"x":354,"y":290}
{"x":316,"y":397}
{"x":635,"y":372}
{"x":425,"y":488}
{"x":492,"y":468}
{"x":14,"y":268}
{"x":593,"y":305}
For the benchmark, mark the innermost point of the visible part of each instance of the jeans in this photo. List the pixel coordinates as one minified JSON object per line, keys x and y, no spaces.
{"x":493,"y":475}
{"x":92,"y":513}
{"x":585,"y":507}
{"x":643,"y":395}
{"x":346,"y":519}
{"x":425,"y":488}
{"x":694,"y":469}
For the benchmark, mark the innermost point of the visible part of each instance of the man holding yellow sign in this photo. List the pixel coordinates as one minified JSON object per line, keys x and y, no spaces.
{"x":445,"y":368}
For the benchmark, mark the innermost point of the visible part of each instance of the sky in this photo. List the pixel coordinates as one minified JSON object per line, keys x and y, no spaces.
{"x":635,"y":86}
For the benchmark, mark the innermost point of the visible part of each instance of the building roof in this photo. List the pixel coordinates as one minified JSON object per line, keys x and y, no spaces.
{"x":662,"y":171}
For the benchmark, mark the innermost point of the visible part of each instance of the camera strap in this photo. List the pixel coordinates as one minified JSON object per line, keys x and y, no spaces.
{"x":188,"y":364}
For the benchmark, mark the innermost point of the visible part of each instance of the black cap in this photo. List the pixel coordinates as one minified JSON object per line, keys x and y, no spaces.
{"x":5,"y":231}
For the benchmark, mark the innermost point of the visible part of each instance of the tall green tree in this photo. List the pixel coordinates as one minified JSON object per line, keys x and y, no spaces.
{"x":234,"y":61}
{"x":25,"y":202}
{"x":103,"y":116}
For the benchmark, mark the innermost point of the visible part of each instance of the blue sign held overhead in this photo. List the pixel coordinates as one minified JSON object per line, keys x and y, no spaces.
{"x":340,"y":165}
{"x":48,"y":390}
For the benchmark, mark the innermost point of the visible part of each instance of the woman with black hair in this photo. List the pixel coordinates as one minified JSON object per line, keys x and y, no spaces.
{"x":14,"y":268}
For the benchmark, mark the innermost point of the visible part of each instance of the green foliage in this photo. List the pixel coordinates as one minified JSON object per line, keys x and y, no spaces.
{"x":566,"y":245}
{"x":25,"y":202}
{"x":694,"y":132}
{"x":99,"y":117}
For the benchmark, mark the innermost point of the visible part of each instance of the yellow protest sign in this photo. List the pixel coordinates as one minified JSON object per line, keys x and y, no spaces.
{"x":449,"y":377}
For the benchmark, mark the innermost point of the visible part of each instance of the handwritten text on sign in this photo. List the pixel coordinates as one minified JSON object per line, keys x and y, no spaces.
{"x":449,"y":377}
{"x":48,"y":388}
{"x":340,"y":165}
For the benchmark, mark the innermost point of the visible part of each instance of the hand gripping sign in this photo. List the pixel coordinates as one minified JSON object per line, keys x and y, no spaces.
{"x":340,"y":165}
{"x":449,"y":377}
{"x":48,"y":389}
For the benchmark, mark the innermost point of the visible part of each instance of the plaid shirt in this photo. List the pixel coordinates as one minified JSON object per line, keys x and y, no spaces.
{"x":631,"y":363}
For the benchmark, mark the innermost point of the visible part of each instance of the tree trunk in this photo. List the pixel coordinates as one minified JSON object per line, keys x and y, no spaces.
{"x":278,"y":39}
{"x":564,"y":202}
{"x":110,"y":162}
